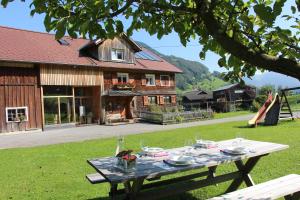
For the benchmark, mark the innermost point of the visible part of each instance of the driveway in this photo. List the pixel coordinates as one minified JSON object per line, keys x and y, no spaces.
{"x":56,"y":136}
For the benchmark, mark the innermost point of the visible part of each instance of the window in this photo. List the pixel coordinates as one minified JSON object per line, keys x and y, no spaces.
{"x":122,"y":77}
{"x":167,"y":99}
{"x":165,"y":80}
{"x":117,"y":54}
{"x":150,"y":79}
{"x":152,"y":100}
{"x":63,"y":42}
{"x":16,"y":114}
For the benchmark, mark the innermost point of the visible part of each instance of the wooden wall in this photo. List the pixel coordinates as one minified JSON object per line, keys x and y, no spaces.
{"x":104,"y":50}
{"x":70,"y":76}
{"x":18,"y":88}
{"x":138,"y":80}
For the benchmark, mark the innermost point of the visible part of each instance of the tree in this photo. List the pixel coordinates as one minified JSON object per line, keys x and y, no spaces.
{"x":245,"y":33}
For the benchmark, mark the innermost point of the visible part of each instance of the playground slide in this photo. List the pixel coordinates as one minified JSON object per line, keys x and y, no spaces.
{"x":261,"y":113}
{"x":272,"y":113}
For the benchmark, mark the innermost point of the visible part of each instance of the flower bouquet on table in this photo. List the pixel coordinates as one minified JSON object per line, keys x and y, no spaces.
{"x":126,"y":161}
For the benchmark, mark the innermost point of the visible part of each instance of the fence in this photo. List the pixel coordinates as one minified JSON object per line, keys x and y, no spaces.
{"x":176,"y":117}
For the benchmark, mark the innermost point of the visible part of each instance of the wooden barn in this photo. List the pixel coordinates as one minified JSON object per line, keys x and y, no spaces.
{"x":49,"y":83}
{"x":197,"y":99}
{"x":228,"y":97}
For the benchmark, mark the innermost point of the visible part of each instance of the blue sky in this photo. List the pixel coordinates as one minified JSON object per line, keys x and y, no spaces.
{"x":17,"y":15}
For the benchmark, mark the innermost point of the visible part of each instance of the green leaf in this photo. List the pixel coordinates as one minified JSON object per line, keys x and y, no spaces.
{"x":264,"y":13}
{"x":4,"y":3}
{"x":47,"y":23}
{"x":60,"y":28}
{"x":293,"y":8}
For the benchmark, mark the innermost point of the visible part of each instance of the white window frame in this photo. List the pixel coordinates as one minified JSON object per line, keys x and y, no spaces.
{"x":123,"y":75}
{"x":116,"y":54}
{"x":16,"y":108}
{"x":150,"y":76}
{"x":169,"y":80}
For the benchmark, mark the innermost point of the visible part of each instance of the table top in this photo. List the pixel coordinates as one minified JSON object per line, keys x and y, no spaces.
{"x":151,"y":167}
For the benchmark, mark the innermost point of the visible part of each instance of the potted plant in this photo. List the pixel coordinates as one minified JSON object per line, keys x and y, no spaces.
{"x":126,"y":161}
{"x":89,"y":118}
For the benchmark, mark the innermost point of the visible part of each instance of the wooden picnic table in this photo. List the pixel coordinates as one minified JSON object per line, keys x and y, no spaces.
{"x":153,"y":168}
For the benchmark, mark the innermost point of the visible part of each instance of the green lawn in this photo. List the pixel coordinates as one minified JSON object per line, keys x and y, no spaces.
{"x":58,"y":171}
{"x":231,"y":114}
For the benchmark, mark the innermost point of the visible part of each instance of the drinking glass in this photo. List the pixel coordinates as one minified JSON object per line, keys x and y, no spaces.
{"x":142,"y":144}
{"x":198,"y":138}
{"x":239,"y":138}
{"x":188,"y":144}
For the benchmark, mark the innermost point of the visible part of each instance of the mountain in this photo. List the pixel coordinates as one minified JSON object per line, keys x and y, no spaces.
{"x":271,"y":78}
{"x":195,"y":74}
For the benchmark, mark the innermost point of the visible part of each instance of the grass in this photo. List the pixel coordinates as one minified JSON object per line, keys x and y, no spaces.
{"x":58,"y":171}
{"x":231,"y":114}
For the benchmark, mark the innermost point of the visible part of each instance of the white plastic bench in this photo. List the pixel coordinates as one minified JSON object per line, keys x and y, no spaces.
{"x":287,"y":187}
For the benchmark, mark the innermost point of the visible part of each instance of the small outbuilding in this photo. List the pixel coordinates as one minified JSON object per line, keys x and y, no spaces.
{"x":197,"y":99}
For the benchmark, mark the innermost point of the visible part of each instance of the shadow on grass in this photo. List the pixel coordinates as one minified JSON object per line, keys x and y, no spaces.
{"x":246,"y":126}
{"x":183,"y":196}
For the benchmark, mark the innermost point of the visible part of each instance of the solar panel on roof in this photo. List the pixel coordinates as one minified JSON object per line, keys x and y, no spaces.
{"x":63,"y":42}
{"x":145,"y":55}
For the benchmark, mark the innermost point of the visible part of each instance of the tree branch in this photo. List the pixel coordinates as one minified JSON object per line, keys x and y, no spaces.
{"x":261,"y":60}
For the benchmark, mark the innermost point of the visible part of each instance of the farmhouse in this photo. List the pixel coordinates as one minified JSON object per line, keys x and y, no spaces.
{"x":45,"y":82}
{"x":227,"y":97}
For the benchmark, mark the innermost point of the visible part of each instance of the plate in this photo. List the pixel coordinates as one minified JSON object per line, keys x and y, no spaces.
{"x":181,"y":160}
{"x":152,"y":150}
{"x":205,"y":143}
{"x":236,"y":150}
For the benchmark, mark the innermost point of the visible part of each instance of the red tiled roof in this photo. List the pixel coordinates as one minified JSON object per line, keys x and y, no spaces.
{"x":35,"y":47}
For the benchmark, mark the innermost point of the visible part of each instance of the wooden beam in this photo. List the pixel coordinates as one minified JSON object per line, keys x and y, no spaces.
{"x":58,"y":104}
{"x":73,"y":103}
{"x":43,"y":109}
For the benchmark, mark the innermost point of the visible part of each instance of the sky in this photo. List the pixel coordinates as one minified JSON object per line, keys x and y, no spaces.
{"x":17,"y":15}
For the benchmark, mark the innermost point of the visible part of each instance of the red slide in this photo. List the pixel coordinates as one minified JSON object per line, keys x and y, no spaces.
{"x":261,"y":113}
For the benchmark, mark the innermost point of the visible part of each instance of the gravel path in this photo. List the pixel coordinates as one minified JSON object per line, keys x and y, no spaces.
{"x":56,"y":136}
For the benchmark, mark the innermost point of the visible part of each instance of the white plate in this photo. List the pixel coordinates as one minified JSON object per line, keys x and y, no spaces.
{"x":236,"y":150}
{"x":181,"y":160}
{"x":204,"y":143}
{"x":152,"y":150}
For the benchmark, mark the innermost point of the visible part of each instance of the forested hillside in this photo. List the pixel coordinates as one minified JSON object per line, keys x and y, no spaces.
{"x":195,"y":75}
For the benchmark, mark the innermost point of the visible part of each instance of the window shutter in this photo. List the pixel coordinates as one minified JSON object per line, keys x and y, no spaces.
{"x":114,"y":78}
{"x":173,"y":99}
{"x":146,"y":102}
{"x":161,"y":100}
{"x":143,"y":79}
{"x":172,"y":81}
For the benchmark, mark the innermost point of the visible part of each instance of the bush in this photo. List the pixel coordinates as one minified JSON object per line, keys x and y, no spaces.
{"x":155,"y":109}
{"x":179,"y":119}
{"x":261,"y":99}
{"x":255,"y":106}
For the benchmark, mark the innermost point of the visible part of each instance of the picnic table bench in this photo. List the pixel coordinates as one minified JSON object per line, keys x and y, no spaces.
{"x":287,"y":187}
{"x":136,"y":185}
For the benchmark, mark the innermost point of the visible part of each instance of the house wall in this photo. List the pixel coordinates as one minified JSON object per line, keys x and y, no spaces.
{"x":138,"y":80}
{"x":18,"y":88}
{"x":230,"y":94}
{"x":70,"y":76}
{"x":104,"y":50}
